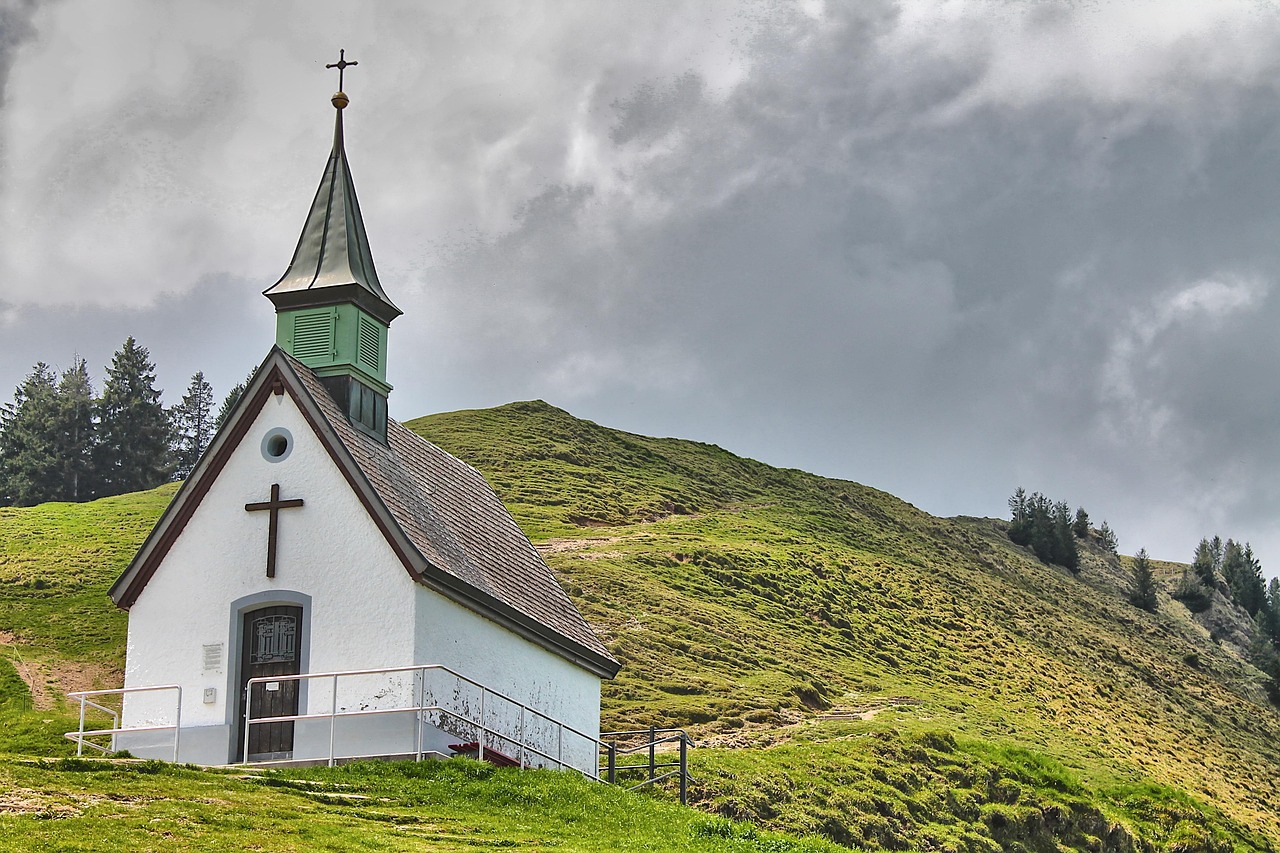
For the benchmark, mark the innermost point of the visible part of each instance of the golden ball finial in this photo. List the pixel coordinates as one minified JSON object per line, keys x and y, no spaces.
{"x":340,"y":99}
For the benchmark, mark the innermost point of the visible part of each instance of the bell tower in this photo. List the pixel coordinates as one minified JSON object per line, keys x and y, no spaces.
{"x":331,"y":311}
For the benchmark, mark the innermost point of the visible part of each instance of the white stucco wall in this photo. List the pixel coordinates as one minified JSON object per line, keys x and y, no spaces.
{"x":361,"y":611}
{"x":455,"y":637}
{"x":361,"y":598}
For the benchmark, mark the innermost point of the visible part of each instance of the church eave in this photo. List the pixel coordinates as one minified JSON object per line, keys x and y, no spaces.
{"x":515,"y":621}
{"x":352,"y":292}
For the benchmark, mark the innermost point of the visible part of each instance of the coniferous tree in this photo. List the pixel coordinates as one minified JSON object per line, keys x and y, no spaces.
{"x":1243,"y":575}
{"x":75,"y":433}
{"x":229,"y":402}
{"x":1232,"y":562}
{"x":1045,"y":527}
{"x":29,"y":471}
{"x":1270,"y":613}
{"x":1205,"y":563}
{"x":193,"y":425}
{"x":1065,"y":552}
{"x":1144,"y":583}
{"x":1192,"y":593}
{"x":1081,"y":524}
{"x":1020,"y":526}
{"x":1043,"y":535}
{"x":1107,"y":537}
{"x":133,"y":447}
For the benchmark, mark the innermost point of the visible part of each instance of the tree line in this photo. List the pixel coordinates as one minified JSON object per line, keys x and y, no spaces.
{"x":1050,"y":529}
{"x":1231,"y":569}
{"x":60,"y":442}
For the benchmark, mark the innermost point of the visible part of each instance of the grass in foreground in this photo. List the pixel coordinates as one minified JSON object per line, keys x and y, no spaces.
{"x":459,"y":805}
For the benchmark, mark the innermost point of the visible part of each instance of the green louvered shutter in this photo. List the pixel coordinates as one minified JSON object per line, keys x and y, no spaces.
{"x":313,"y":336}
{"x":369,"y":345}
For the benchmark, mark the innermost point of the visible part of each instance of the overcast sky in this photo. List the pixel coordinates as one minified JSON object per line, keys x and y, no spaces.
{"x":941,"y":248}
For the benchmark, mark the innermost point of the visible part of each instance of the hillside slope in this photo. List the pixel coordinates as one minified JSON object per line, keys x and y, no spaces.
{"x":854,"y":667}
{"x":746,"y":598}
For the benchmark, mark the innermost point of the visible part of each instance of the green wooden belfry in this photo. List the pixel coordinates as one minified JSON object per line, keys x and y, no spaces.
{"x":331,"y":311}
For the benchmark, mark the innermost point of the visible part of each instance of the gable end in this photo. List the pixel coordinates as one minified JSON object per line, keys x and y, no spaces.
{"x":275,"y":381}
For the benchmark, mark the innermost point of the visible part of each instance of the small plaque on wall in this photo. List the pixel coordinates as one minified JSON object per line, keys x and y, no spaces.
{"x":213,"y":657}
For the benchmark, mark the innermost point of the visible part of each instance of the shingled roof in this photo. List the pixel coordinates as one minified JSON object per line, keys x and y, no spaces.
{"x":444,"y":521}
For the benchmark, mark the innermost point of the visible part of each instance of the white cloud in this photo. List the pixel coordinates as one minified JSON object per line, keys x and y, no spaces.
{"x":1138,"y":352}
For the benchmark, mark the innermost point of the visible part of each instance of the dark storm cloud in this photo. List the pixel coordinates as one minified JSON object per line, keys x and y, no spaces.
{"x":944,"y":249}
{"x":857,"y":262}
{"x":15,"y":28}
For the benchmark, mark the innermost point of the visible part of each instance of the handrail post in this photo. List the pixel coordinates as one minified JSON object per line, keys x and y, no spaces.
{"x":684,"y":770}
{"x":613,"y":762}
{"x":652,"y":735}
{"x":417,"y":717}
{"x":481,"y":732}
{"x":559,"y":746}
{"x":248,"y":714}
{"x":177,"y":727}
{"x":521,"y":741}
{"x":80,"y":738}
{"x":333,"y":716}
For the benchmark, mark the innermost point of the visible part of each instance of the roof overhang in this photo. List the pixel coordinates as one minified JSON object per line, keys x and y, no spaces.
{"x":341,"y":294}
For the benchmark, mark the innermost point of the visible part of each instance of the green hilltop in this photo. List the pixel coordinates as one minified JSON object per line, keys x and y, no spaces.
{"x":853,"y":668}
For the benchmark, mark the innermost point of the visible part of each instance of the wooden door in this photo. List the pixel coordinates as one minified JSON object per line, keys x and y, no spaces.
{"x":271,"y":644}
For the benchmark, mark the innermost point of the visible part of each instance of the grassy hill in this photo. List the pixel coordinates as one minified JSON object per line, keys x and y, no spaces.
{"x":854,"y":668}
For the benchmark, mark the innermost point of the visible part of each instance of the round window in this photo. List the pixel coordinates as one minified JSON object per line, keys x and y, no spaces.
{"x":277,"y":444}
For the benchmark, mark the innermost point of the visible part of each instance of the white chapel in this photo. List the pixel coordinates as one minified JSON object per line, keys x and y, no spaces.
{"x":327,"y":584}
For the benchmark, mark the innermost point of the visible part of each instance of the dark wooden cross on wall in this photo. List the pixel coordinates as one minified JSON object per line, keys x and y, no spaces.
{"x":273,"y":506}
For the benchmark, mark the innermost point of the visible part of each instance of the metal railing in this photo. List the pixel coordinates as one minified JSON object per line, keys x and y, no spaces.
{"x":527,"y":752}
{"x":81,"y":736}
{"x":653,"y":738}
{"x":615,"y":746}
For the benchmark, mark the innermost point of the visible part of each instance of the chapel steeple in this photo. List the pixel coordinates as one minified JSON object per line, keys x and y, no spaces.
{"x":331,"y":311}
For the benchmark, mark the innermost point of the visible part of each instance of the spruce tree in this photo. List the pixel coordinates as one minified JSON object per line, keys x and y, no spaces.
{"x":75,"y":433}
{"x":1144,"y":583}
{"x":229,"y":402}
{"x":1043,"y":535}
{"x":1081,"y":524}
{"x":133,"y":432}
{"x":1046,"y":527}
{"x":1205,"y":564}
{"x":1065,"y":552}
{"x":1020,"y":523}
{"x":1250,"y":588}
{"x":29,"y":470}
{"x":192,"y":425}
{"x":1270,"y":612}
{"x":1107,"y":537}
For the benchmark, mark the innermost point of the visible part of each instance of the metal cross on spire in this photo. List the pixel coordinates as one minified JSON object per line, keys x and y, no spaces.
{"x":341,"y":65}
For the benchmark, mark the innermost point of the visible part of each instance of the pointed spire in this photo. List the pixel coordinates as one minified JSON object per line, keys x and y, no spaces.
{"x":333,"y":251}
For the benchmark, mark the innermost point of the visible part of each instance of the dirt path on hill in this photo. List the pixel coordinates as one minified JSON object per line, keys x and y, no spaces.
{"x":791,"y":722}
{"x":47,"y":681}
{"x":41,"y":698}
{"x":568,"y":546}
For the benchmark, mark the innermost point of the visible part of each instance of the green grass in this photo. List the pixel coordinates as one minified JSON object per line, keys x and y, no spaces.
{"x":459,"y":805}
{"x":854,"y":668}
